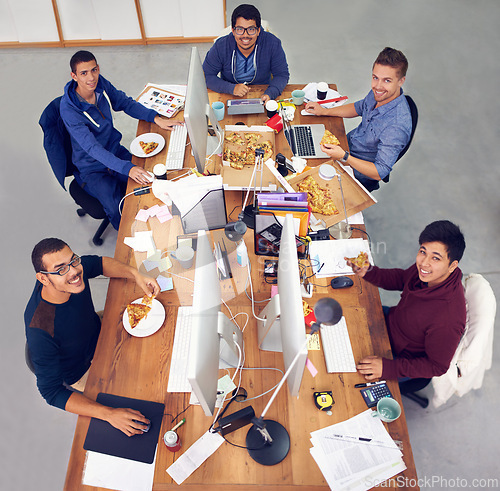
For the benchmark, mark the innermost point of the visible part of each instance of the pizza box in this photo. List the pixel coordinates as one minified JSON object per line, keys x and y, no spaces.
{"x":356,"y":197}
{"x":236,"y":179}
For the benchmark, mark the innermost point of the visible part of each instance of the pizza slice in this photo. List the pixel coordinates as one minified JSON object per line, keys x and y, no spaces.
{"x":252,"y":139}
{"x":148,"y":147}
{"x":147,"y":300}
{"x":136,"y":312}
{"x":359,"y":261}
{"x":329,"y":138}
{"x":318,"y":198}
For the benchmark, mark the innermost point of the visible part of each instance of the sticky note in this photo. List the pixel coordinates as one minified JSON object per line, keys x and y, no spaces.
{"x":311,"y":368}
{"x":165,"y":283}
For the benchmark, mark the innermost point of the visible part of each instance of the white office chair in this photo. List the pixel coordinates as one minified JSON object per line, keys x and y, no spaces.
{"x":475,"y":351}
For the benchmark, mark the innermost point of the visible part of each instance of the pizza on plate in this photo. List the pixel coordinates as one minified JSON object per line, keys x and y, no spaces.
{"x":329,"y":138}
{"x":359,"y":261}
{"x":148,"y":147}
{"x":136,"y":312}
{"x":318,"y":198}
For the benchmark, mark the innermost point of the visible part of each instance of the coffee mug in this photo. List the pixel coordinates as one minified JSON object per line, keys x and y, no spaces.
{"x":271,"y":108}
{"x":298,"y":97}
{"x":185,"y":255}
{"x":218,"y":108}
{"x":388,"y":409}
{"x":321,"y":91}
{"x":160,"y":171}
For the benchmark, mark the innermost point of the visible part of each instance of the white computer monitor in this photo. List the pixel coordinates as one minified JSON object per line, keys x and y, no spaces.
{"x":213,"y":336}
{"x":286,"y":333}
{"x":198,"y":114}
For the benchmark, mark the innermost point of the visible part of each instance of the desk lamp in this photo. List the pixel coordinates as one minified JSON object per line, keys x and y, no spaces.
{"x":341,"y":230}
{"x":267,"y":441}
{"x":248,"y":212}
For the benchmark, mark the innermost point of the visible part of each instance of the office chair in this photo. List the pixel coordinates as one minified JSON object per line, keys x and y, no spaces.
{"x":414,"y":121}
{"x":27,"y":357}
{"x":409,"y":387}
{"x":57,"y":145}
{"x":473,"y":355}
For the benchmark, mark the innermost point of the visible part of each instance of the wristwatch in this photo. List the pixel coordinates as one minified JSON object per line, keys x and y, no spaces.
{"x":345,"y":157}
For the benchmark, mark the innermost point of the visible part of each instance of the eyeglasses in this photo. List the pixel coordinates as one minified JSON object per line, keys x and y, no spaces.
{"x":249,"y":30}
{"x":65,"y":269}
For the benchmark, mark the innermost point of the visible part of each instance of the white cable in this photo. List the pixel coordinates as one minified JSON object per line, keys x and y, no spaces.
{"x":251,"y":293}
{"x":126,"y":196}
{"x":238,"y":369}
{"x":182,"y":277}
{"x":219,"y":137}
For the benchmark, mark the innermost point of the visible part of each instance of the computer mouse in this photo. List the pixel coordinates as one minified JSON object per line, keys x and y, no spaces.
{"x":341,"y":282}
{"x":146,"y":426}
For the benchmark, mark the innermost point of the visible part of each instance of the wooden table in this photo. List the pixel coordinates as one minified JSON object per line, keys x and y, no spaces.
{"x":138,"y":367}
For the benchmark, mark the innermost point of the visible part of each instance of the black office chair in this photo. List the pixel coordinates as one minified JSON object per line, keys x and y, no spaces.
{"x":414,"y":121}
{"x":27,"y":357}
{"x":57,"y":145}
{"x":410,"y":387}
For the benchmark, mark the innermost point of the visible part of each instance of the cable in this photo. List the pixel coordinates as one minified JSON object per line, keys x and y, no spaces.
{"x":182,"y":277}
{"x":126,"y":196}
{"x":251,"y":293}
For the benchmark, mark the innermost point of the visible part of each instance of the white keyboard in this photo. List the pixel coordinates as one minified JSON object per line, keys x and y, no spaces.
{"x":177,"y":377}
{"x":337,"y":348}
{"x":176,"y":148}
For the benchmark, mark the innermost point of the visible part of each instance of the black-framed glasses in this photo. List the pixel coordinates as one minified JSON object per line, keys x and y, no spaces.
{"x":249,"y":30}
{"x":65,"y":269}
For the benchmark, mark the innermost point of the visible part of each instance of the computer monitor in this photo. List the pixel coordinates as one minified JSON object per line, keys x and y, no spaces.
{"x":288,"y":333}
{"x":213,"y":336}
{"x":197,"y":114}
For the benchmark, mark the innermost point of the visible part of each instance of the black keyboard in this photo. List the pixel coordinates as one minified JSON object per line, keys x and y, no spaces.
{"x":303,"y":140}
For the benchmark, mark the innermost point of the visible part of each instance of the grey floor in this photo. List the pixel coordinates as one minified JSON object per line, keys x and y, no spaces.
{"x":451,"y":171}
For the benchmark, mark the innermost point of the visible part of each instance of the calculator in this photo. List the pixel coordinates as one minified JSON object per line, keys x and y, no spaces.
{"x":373,"y":394}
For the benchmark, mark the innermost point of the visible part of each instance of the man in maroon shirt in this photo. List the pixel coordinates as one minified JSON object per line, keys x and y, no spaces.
{"x":426,"y":325}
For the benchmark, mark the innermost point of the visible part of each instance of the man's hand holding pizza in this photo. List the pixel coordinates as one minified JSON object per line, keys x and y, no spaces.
{"x":334,"y":151}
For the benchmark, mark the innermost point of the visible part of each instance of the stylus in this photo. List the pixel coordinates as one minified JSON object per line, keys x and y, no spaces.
{"x":369,"y":384}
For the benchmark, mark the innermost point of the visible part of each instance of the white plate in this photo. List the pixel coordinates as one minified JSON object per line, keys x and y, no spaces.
{"x":135,"y":148}
{"x":150,"y":324}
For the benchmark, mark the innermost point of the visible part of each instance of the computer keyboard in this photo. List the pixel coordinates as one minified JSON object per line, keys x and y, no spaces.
{"x":304,"y":140}
{"x":176,"y":148}
{"x":177,"y":378}
{"x":337,"y":348}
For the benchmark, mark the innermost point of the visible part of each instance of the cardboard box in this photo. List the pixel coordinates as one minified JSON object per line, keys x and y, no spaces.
{"x":355,"y":195}
{"x":235,"y":179}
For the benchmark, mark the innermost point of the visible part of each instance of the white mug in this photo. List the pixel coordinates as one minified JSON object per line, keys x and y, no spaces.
{"x":185,"y":255}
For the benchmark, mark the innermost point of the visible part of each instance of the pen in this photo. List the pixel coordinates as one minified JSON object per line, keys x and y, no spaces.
{"x":180,"y":423}
{"x":369,"y":384}
{"x":360,"y":439}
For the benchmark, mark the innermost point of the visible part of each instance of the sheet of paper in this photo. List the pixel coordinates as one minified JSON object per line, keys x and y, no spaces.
{"x":107,"y":471}
{"x":331,"y":254}
{"x":194,"y":456}
{"x":349,"y":465}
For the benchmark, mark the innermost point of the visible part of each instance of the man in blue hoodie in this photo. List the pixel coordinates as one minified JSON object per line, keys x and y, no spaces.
{"x":247,"y":56}
{"x":104,"y":166}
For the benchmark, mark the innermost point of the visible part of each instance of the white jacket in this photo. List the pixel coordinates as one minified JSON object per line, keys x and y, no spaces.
{"x":475,"y":351}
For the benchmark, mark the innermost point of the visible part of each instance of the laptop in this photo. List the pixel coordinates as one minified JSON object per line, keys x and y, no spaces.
{"x":304,"y":139}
